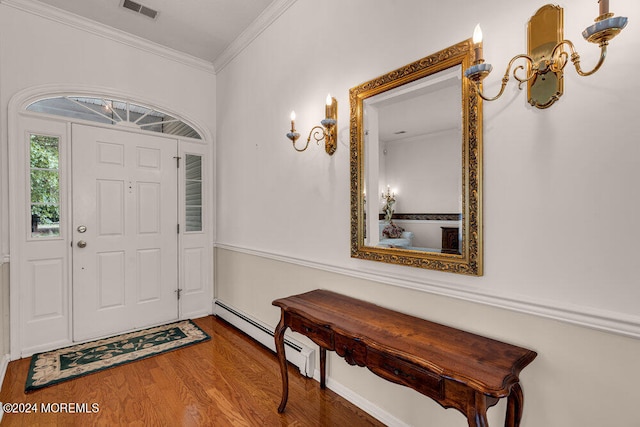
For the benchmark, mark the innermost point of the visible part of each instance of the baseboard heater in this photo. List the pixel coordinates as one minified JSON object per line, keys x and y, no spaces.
{"x":297,"y":353}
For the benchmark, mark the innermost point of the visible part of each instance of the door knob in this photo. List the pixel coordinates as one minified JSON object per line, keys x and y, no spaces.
{"x":82,"y":244}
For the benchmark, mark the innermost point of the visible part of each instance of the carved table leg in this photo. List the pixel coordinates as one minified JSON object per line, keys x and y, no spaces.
{"x":323,"y":364}
{"x":477,"y":413}
{"x":515,"y":402}
{"x":279,"y":337}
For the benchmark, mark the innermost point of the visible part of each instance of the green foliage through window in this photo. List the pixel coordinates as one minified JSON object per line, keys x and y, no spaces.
{"x":45,"y":185}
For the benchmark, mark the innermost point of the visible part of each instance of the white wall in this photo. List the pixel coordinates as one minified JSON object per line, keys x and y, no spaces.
{"x":42,"y":49}
{"x":426,"y":172}
{"x":581,"y":377}
{"x":427,"y":234}
{"x":559,"y":198}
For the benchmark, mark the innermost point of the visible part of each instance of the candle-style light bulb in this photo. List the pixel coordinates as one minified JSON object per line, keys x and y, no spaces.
{"x":293,"y":120}
{"x":327,"y":110}
{"x":477,"y":42}
{"x":477,"y":34}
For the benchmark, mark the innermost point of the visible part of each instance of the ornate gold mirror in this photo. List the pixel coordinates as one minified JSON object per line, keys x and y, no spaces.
{"x":416,"y":165}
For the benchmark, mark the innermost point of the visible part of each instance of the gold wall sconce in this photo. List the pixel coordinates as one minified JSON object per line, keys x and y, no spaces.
{"x":389,"y":203}
{"x":546,"y":56}
{"x":327,"y":132}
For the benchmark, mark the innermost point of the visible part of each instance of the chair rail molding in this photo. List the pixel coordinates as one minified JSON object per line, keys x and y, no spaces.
{"x":594,"y":318}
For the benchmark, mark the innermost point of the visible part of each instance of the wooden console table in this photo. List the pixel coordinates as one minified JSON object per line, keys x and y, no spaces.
{"x":457,"y":369}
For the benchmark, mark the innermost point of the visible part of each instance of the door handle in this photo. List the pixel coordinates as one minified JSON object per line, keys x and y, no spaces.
{"x":82,"y":244}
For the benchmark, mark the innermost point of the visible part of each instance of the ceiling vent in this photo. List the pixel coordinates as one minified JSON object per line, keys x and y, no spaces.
{"x":138,"y":8}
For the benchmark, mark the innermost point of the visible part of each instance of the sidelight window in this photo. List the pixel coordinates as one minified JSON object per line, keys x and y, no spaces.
{"x":45,"y":185}
{"x":193,"y":192}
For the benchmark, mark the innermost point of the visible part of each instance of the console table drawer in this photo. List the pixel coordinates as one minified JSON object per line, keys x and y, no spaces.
{"x":401,"y":372}
{"x":353,"y":350}
{"x":318,"y":334}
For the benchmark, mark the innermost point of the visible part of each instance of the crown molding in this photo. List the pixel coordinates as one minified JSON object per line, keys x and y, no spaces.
{"x":96,"y":28}
{"x":261,"y":23}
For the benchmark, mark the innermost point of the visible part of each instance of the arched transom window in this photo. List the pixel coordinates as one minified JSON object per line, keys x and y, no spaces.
{"x":111,"y":111}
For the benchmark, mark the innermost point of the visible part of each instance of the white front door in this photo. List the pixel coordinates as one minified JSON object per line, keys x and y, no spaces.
{"x":124,"y":236}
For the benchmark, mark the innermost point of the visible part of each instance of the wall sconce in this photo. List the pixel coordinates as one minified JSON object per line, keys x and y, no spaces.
{"x":328,"y":130}
{"x":390,"y":196}
{"x":389,"y":202}
{"x":546,"y":57}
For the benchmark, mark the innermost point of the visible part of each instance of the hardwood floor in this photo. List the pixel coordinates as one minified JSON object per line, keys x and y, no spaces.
{"x":228,"y":381}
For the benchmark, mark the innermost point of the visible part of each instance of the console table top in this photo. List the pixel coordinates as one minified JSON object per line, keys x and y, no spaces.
{"x":489,"y":366}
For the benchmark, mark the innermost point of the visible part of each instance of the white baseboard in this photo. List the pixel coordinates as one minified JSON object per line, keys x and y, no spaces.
{"x":301,"y":356}
{"x":375,"y":411}
{"x":4,"y":363}
{"x":3,"y":370}
{"x":297,"y":353}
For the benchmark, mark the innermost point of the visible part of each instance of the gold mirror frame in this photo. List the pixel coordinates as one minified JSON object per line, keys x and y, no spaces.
{"x":469,"y":261}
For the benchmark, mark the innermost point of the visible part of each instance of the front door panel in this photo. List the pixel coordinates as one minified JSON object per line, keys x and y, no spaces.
{"x":125,"y":242}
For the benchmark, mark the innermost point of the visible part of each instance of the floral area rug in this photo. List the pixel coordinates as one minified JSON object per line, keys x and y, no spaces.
{"x":67,"y":363}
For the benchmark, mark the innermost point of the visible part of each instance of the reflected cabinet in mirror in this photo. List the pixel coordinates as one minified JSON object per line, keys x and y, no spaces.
{"x":416,"y":166}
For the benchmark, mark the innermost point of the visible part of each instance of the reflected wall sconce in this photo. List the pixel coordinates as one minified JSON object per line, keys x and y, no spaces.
{"x":389,"y":202}
{"x":390,"y":196}
{"x":546,"y":57}
{"x":327,"y":132}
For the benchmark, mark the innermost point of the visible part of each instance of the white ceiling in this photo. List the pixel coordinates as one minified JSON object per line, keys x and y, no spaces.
{"x":426,"y":106}
{"x":200,"y":28}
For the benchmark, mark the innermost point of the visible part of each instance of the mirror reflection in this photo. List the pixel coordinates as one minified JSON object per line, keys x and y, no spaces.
{"x":413,"y":155}
{"x":416,"y":165}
